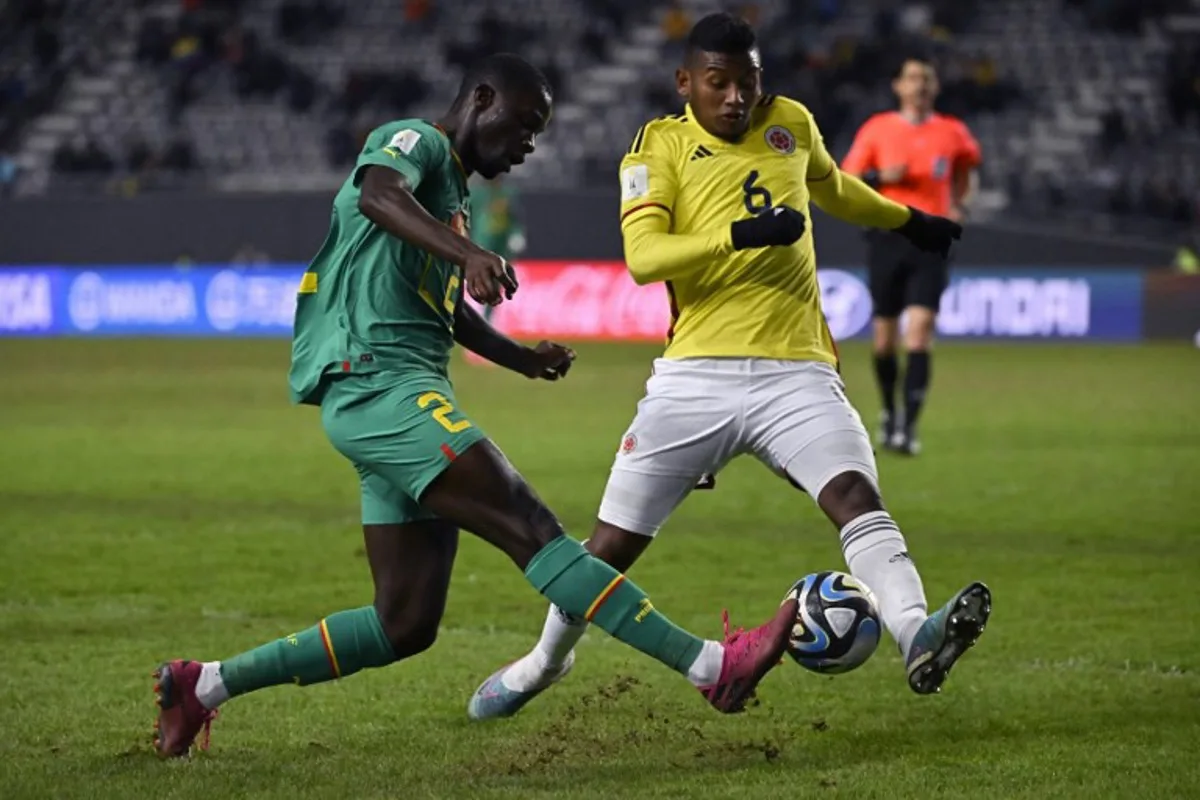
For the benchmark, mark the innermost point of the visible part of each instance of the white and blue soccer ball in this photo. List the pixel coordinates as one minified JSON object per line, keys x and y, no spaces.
{"x":837,"y":623}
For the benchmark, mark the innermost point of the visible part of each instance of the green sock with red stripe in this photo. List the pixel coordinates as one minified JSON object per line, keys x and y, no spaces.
{"x":583,"y":585}
{"x":337,"y":646}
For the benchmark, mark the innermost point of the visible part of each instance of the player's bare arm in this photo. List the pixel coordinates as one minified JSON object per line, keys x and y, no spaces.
{"x":387,"y":200}
{"x":548,"y":360}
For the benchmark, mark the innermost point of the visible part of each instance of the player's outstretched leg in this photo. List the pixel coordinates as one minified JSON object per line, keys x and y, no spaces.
{"x":877,"y":554}
{"x":513,"y":686}
{"x":481,"y":492}
{"x":410,"y":564}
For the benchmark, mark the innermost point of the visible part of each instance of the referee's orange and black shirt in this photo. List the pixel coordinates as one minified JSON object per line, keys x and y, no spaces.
{"x":931,"y":150}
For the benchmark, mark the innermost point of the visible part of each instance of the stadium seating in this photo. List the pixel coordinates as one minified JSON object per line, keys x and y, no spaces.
{"x":1091,"y":100}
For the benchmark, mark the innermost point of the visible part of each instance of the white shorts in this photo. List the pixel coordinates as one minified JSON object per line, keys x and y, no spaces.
{"x":699,"y":413}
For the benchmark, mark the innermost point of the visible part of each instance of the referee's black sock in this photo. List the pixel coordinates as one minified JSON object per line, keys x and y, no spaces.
{"x":916,"y":384}
{"x":886,"y":371}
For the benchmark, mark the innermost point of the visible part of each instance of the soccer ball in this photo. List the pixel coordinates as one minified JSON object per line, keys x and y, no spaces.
{"x":837,"y":623}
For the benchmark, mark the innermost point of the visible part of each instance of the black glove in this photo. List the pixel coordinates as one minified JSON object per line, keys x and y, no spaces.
{"x":929,"y":233}
{"x":775,"y":226}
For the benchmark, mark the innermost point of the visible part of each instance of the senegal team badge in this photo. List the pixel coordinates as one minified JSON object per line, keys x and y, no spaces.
{"x":781,"y":140}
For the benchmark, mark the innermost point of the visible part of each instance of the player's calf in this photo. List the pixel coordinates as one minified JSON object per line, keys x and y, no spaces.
{"x":876,"y":553}
{"x":338,"y":646}
{"x":848,"y":496}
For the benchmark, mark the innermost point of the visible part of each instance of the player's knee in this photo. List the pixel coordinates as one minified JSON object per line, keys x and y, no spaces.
{"x":409,"y":630}
{"x":915,"y":342}
{"x":616,"y":547}
{"x":918,"y":335}
{"x":529,"y":525}
{"x":848,"y":496}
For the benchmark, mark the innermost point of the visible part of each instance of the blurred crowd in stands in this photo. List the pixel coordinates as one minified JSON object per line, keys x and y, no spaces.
{"x":1161,"y":197}
{"x":32,"y":71}
{"x":833,"y":75}
{"x":1123,"y":16}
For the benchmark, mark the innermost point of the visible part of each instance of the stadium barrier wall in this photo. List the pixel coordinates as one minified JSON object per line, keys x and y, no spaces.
{"x":218,"y":228}
{"x":577,"y":301}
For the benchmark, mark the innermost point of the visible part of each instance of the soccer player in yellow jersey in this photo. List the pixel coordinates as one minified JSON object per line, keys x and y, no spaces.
{"x":713,"y":203}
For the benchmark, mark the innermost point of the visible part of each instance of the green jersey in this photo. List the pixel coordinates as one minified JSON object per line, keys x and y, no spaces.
{"x":368,"y":301}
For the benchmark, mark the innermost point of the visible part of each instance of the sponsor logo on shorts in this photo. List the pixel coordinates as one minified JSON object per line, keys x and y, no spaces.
{"x":781,"y":140}
{"x":629,"y":443}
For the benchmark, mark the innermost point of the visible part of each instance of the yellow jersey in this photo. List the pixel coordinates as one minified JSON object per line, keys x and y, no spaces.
{"x":761,"y":302}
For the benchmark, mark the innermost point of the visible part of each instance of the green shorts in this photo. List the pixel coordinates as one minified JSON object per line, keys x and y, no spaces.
{"x":400,"y":432}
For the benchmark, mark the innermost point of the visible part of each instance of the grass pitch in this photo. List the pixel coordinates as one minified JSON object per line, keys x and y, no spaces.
{"x":160,"y":499}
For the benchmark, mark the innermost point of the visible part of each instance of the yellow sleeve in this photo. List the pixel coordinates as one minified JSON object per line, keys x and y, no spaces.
{"x":653,"y":254}
{"x":821,"y":165}
{"x":844,"y":196}
{"x":648,"y":180}
{"x":648,"y":188}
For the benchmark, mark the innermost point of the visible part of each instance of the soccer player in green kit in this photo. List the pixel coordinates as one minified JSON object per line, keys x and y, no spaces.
{"x":378,"y":312}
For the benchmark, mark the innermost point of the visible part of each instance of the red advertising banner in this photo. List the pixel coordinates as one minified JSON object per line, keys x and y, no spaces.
{"x":576,"y":301}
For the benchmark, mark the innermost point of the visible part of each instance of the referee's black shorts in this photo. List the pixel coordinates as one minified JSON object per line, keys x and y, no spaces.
{"x":900,"y":275}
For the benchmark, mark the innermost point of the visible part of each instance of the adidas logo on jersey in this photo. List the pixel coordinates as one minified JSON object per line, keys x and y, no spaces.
{"x":701,"y":152}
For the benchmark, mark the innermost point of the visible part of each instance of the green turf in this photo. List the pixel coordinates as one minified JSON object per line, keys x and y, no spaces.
{"x":161,"y":499}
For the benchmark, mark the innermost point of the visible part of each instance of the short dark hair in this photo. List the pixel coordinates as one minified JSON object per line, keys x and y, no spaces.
{"x":919,"y":56}
{"x":504,"y":72}
{"x":721,"y":33}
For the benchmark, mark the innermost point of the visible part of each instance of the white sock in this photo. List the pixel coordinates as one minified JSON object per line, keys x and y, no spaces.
{"x":707,"y":668}
{"x":560,"y":634}
{"x":877,"y":555}
{"x":210,"y":689}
